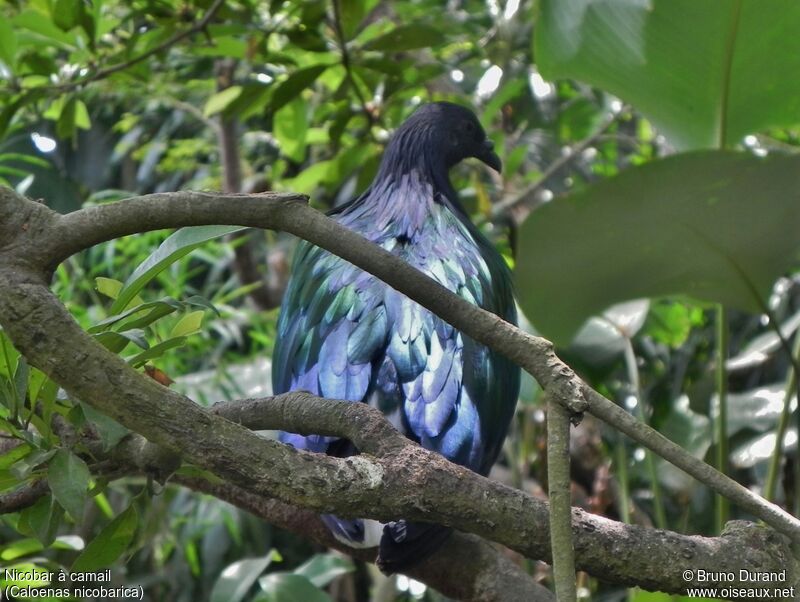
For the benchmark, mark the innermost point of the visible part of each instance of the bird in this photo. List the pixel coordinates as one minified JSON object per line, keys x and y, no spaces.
{"x":344,"y":334}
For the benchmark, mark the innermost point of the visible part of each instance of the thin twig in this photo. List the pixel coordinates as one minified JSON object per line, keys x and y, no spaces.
{"x":509,"y":203}
{"x":337,"y":26}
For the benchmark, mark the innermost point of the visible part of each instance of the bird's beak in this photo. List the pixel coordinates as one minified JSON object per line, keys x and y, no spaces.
{"x":488,"y":156}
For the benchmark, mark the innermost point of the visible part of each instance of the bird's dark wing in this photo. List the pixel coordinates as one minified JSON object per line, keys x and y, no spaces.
{"x":332,"y":327}
{"x":457,"y":396}
{"x":343,"y":334}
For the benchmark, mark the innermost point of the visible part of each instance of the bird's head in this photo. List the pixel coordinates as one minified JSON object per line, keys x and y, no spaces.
{"x":438,"y":136}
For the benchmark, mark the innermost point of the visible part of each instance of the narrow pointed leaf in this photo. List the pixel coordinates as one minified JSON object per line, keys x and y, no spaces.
{"x":176,"y":246}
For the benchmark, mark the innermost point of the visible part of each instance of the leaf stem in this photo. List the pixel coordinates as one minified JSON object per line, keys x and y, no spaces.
{"x":721,"y":425}
{"x":633,"y":378}
{"x":783,"y":424}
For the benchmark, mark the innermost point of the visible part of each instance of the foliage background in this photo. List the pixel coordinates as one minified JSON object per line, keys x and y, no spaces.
{"x":648,"y":203}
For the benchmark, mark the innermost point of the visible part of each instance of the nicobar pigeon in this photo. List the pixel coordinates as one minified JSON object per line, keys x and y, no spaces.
{"x":344,"y":334}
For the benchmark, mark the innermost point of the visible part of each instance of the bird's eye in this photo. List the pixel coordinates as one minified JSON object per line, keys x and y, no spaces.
{"x":470,"y":127}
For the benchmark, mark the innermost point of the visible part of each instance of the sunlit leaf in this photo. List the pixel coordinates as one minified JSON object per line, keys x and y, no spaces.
{"x":108,"y":286}
{"x":236,"y":580}
{"x":219,"y":101}
{"x":188,"y":324}
{"x":294,"y":85}
{"x":289,"y":587}
{"x":290,"y":126}
{"x":8,"y":45}
{"x":321,"y":569}
{"x":647,"y":53}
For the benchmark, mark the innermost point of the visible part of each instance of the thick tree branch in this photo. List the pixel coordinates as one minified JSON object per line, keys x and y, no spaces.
{"x":536,"y":355}
{"x":409,"y":481}
{"x":466,"y":568}
{"x":617,"y":552}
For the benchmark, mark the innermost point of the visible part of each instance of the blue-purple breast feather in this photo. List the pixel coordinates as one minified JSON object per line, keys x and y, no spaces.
{"x":344,"y":334}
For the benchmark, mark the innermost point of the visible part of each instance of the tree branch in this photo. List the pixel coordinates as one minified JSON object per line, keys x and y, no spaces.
{"x":619,"y":553}
{"x":466,"y":568}
{"x":80,"y":229}
{"x":406,"y":482}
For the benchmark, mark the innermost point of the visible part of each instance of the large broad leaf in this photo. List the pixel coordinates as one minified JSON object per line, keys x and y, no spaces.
{"x":706,"y":72}
{"x":715,"y":225}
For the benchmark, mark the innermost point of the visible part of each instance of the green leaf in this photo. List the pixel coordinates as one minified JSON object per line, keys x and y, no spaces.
{"x":353,"y":13}
{"x":111,"y":432}
{"x":288,"y":587}
{"x":30,"y":159}
{"x":117,"y":341}
{"x":21,"y":379}
{"x":138,"y":316}
{"x":290,"y":126}
{"x":82,"y":120}
{"x":14,"y":454}
{"x":717,"y":226}
{"x":321,"y":569}
{"x":41,"y":25}
{"x":65,"y":13}
{"x":65,"y":126}
{"x":109,"y":544}
{"x":219,"y":101}
{"x":236,"y":580}
{"x":20,"y":547}
{"x":407,"y":37}
{"x":108,"y":286}
{"x":188,"y":324}
{"x":43,"y":519}
{"x":8,"y":45}
{"x":646,"y":52}
{"x":670,"y":322}
{"x":68,"y":477}
{"x":294,"y":85}
{"x":178,"y":245}
{"x":23,"y":573}
{"x":156,"y":351}
{"x":24,"y":467}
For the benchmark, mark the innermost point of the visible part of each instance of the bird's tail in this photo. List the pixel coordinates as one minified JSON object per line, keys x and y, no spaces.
{"x":405,"y":544}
